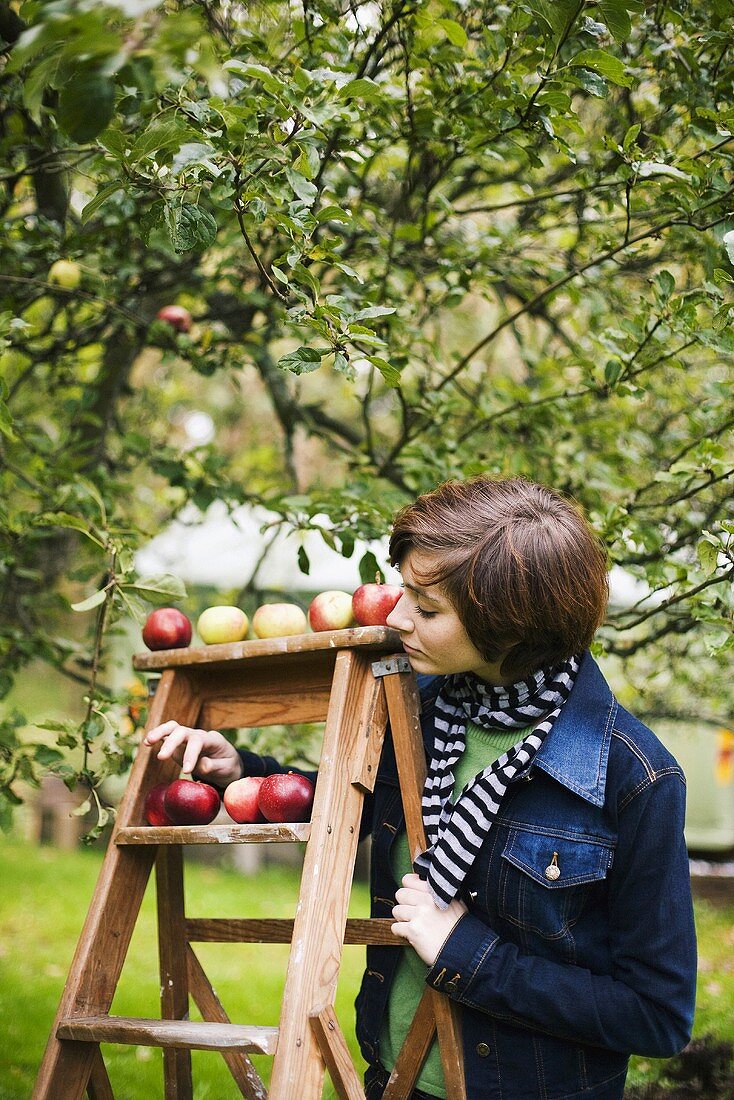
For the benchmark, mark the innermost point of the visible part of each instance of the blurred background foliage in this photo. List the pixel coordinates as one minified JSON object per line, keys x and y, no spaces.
{"x":417,"y":241}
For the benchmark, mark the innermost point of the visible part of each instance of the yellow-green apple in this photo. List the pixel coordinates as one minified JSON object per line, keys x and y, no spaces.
{"x":331,"y":610}
{"x":154,"y":810}
{"x":166,"y":628}
{"x":241,"y":800}
{"x":65,"y":273}
{"x":222,"y":624}
{"x":276,"y":620}
{"x":189,"y":802}
{"x":372,"y":603}
{"x":178,"y":317}
{"x":286,"y":797}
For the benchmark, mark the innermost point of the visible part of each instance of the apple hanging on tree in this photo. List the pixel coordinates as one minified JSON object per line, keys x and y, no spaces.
{"x":178,"y":317}
{"x":65,"y":273}
{"x":166,"y":628}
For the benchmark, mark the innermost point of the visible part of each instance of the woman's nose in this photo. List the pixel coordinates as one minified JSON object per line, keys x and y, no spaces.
{"x":399,"y":618}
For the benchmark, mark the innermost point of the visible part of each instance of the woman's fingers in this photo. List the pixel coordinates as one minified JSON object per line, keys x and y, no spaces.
{"x":180,"y":742}
{"x":159,"y":732}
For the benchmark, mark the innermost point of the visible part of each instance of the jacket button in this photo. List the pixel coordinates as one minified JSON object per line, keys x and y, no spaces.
{"x":482,"y":1050}
{"x":451,"y":986}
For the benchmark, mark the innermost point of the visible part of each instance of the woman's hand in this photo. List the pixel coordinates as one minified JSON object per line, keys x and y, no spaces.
{"x":420,"y":921}
{"x":207,"y":754}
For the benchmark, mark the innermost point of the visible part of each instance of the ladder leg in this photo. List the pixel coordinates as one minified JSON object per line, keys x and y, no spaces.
{"x":353,"y":722}
{"x":109,"y":925}
{"x":99,"y":1087}
{"x":172,"y":960}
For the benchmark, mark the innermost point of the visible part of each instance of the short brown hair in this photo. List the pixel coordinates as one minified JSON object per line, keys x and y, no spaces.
{"x":519,"y":563}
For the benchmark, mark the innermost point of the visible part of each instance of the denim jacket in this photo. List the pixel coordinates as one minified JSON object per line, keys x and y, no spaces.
{"x":560,"y":979}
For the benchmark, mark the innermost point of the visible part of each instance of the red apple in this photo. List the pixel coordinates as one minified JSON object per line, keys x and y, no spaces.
{"x":331,"y":610}
{"x":286,"y":797}
{"x":372,"y":603}
{"x":166,"y":628}
{"x":154,"y":810}
{"x":178,"y":317}
{"x":190,"y":803}
{"x":241,"y":800}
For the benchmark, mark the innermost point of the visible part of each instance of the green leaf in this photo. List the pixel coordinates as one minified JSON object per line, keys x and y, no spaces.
{"x":665,"y":283}
{"x":91,"y":601}
{"x":612,"y":372}
{"x":373,"y":311}
{"x":165,"y":586}
{"x":362,"y":88}
{"x":390,"y":373}
{"x":101,"y":197}
{"x":557,"y":14}
{"x":604,"y":63}
{"x":6,"y":423}
{"x":86,"y":105}
{"x":368,"y":567}
{"x":708,"y":556}
{"x":592,"y":83}
{"x":333,"y":214}
{"x":73,"y":523}
{"x":189,"y":226}
{"x":303,"y":563}
{"x":303,"y":360}
{"x":631,"y":136}
{"x":728,"y":242}
{"x":454,"y":32}
{"x":305,"y":190}
{"x":614,"y":14}
{"x":157,"y":139}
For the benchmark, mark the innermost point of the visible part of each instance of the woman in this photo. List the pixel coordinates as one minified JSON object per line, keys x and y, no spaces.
{"x":553,"y":902}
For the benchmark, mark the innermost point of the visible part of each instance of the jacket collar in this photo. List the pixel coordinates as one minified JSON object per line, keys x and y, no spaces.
{"x":576,"y":751}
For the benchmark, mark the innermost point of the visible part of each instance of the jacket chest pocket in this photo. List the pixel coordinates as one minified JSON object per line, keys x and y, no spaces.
{"x":545,"y":879}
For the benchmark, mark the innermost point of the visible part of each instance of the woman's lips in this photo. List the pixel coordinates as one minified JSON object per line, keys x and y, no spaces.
{"x":410,"y":649}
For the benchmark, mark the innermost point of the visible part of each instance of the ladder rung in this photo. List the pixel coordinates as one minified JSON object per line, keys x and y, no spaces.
{"x":190,"y":1034}
{"x":280,"y":930}
{"x":279,"y":833}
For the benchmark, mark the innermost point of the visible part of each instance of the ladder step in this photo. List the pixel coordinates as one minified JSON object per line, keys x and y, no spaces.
{"x":279,"y":833}
{"x":190,"y":1034}
{"x":280,"y":930}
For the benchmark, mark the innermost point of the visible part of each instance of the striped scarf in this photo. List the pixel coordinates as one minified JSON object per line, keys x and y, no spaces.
{"x":456,"y":831}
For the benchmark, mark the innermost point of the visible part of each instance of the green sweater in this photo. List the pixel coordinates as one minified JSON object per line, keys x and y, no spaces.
{"x":482,"y":747}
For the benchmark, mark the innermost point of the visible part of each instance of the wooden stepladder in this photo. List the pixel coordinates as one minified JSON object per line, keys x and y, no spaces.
{"x":356,"y":681}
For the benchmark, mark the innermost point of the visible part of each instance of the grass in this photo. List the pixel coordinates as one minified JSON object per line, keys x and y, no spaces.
{"x":42,"y":907}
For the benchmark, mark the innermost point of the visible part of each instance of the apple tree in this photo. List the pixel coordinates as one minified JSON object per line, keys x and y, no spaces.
{"x":417,"y":241}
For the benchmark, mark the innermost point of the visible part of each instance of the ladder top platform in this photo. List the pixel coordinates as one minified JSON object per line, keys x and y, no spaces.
{"x":379,"y":639}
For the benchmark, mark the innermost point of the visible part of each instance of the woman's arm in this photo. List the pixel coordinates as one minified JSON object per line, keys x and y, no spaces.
{"x":207,"y":754}
{"x":645,"y":1006}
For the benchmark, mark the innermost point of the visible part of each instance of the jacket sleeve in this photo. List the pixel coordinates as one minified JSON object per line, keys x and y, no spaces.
{"x":645,"y":1005}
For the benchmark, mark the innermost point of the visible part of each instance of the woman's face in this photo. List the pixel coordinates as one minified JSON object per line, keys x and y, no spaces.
{"x":431,"y":632}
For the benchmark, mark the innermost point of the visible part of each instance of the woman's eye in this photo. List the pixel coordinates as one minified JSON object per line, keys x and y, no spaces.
{"x":423,"y":614}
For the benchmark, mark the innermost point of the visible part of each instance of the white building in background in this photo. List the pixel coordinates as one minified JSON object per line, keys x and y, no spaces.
{"x":224,"y":550}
